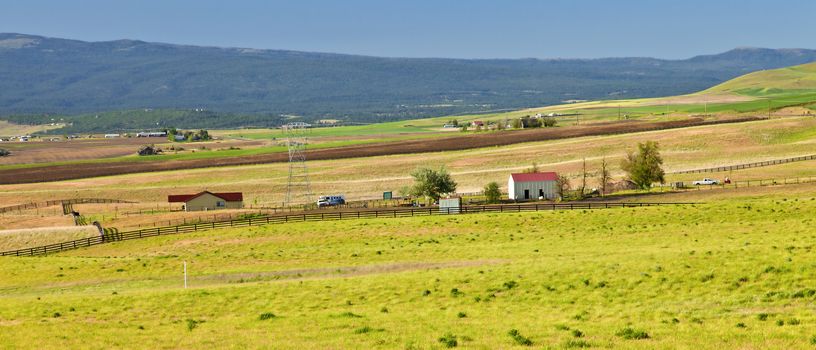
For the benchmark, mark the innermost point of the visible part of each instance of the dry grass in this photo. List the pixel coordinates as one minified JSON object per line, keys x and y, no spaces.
{"x":24,"y":238}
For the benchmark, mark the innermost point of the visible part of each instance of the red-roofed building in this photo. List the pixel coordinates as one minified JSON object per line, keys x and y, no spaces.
{"x":530,"y":186}
{"x":208,"y":200}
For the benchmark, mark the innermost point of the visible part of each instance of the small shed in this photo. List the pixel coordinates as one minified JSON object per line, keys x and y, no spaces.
{"x":530,"y":186}
{"x":207,"y":200}
{"x":451,"y":205}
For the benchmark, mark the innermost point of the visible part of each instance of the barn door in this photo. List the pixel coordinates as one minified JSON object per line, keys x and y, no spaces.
{"x":526,"y":194}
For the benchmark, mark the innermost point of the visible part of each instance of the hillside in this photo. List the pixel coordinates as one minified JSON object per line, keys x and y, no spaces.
{"x":771,"y":82}
{"x":58,"y":76}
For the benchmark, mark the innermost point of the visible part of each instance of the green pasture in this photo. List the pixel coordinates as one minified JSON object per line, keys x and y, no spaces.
{"x":734,"y":273}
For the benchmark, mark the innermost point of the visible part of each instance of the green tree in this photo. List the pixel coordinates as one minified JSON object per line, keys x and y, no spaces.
{"x":492,"y":192}
{"x":644,"y":167}
{"x":464,"y":128}
{"x":432,"y":183}
{"x":517,"y":124}
{"x":4,"y":152}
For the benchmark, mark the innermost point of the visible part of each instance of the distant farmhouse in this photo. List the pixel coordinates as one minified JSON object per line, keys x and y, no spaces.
{"x":209,"y":201}
{"x":528,"y":186}
{"x":152,"y":134}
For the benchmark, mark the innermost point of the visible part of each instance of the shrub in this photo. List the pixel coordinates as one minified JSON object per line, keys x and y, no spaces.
{"x":741,"y":325}
{"x":518,"y":338}
{"x":57,"y":315}
{"x":349,"y":314}
{"x":455,"y":292}
{"x":632,"y":333}
{"x":780,"y":322}
{"x":577,"y":333}
{"x":4,"y":152}
{"x":266,"y":315}
{"x":192,"y":324}
{"x":707,"y":277}
{"x":461,"y":314}
{"x":794,"y":321}
{"x":577,"y":343}
{"x":762,"y":316}
{"x":510,"y":285}
{"x":562,"y":327}
{"x":426,"y":293}
{"x":449,"y":340}
{"x":367,"y":329}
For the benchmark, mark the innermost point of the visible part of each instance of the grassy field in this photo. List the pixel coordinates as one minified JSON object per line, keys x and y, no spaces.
{"x":733,"y":273}
{"x":10,"y":129}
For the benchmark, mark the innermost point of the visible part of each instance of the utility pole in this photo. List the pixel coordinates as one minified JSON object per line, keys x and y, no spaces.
{"x":619,"y":112}
{"x":298,"y":186}
{"x":185,"y":275}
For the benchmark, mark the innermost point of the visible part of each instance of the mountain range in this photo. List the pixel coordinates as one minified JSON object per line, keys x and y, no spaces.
{"x":41,"y":75}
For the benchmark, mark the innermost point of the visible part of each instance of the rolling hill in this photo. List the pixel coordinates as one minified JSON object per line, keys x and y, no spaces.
{"x":42,"y":75}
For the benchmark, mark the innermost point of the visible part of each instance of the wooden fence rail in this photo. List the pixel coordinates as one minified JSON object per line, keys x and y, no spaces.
{"x":746,"y":165}
{"x":59,"y":202}
{"x":113,"y":235}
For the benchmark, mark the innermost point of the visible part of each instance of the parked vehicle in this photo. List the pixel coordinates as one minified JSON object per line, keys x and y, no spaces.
{"x":329,"y":201}
{"x":706,"y":181}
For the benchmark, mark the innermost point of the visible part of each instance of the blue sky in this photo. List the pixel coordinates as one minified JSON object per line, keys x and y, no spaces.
{"x":438,"y":28}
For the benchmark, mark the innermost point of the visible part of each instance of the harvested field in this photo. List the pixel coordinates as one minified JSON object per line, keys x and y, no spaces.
{"x":77,"y":171}
{"x":83,"y":149}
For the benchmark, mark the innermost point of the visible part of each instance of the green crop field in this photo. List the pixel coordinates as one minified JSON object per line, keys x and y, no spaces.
{"x":730,"y":273}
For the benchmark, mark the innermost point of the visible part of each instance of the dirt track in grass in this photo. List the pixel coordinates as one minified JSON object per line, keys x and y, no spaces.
{"x":487,"y":139}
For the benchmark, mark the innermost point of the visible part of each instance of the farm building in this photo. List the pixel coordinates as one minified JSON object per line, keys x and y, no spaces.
{"x":208,"y":200}
{"x":528,"y":186}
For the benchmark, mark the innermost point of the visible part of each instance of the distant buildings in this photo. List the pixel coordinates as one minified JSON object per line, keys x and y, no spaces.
{"x":152,"y":134}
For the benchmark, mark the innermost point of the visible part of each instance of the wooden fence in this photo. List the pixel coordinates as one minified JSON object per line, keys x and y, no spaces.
{"x":113,"y":235}
{"x":746,"y":165}
{"x":746,"y":183}
{"x":58,"y":202}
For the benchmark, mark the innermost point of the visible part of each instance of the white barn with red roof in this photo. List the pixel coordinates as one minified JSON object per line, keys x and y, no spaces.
{"x":532,"y":186}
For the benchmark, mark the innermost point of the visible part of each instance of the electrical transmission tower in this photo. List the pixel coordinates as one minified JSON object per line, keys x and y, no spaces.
{"x":298,"y":188}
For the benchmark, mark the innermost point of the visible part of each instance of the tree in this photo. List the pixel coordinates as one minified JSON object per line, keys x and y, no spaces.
{"x":464,"y":128}
{"x":432,"y":183}
{"x":517,"y":124}
{"x":604,"y":177}
{"x":532,"y":169}
{"x":549,"y":122}
{"x":644,"y":166}
{"x":583,"y":180}
{"x":4,"y":152}
{"x":492,"y":192}
{"x":562,"y":185}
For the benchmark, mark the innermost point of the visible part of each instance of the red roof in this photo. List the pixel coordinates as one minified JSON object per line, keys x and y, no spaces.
{"x":227,"y":196}
{"x":530,"y":177}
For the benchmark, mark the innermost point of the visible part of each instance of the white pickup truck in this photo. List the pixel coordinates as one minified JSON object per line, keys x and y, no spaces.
{"x":706,"y":181}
